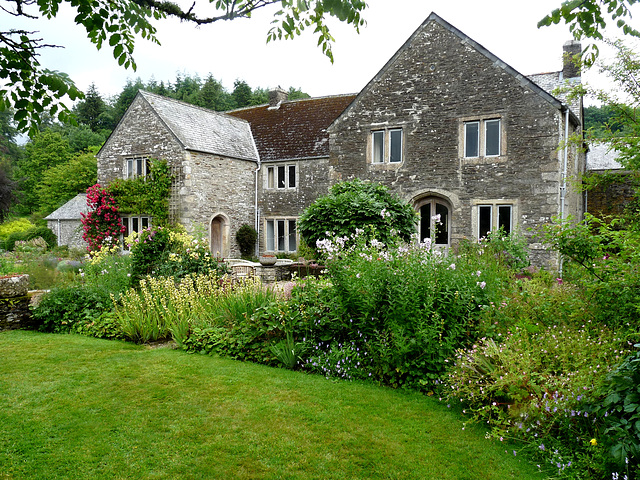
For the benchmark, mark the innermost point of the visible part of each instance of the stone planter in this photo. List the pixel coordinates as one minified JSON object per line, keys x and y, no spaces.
{"x":268,"y":260}
{"x":14,"y":285}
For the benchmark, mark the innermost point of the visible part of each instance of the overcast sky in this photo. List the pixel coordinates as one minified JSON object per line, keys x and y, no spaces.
{"x":238,"y":50}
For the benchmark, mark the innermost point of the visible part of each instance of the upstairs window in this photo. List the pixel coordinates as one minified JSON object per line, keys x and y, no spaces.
{"x":386,"y":146}
{"x":136,"y":167}
{"x":482,"y":138}
{"x":281,"y":177}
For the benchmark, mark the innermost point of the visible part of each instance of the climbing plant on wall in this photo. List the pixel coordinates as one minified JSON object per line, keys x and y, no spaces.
{"x":102,"y":225}
{"x":148,"y":195}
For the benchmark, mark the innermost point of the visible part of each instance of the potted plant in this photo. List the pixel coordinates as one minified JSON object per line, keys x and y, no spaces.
{"x":267,"y":260}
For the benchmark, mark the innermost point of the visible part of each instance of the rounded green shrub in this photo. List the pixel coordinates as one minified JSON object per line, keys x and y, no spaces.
{"x":246,"y":238}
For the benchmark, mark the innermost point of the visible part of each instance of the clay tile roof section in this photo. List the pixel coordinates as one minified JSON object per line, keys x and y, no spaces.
{"x":297,"y":129}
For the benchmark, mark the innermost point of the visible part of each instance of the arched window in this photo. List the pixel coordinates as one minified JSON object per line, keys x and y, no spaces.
{"x":435,"y":220}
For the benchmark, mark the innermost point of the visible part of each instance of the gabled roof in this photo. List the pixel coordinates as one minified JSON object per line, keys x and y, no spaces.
{"x":203,"y":130}
{"x":475,"y":45}
{"x":70,"y":210}
{"x":295,"y":129}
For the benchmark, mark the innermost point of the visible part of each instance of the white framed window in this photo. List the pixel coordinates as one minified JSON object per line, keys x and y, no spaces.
{"x":492,"y":216}
{"x":281,"y":235}
{"x":136,"y":167}
{"x":482,"y":138}
{"x":281,"y":177}
{"x":387,"y":146}
{"x":134,"y":224}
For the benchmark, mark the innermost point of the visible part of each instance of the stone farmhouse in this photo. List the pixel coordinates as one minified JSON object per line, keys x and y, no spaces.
{"x":445,"y":124}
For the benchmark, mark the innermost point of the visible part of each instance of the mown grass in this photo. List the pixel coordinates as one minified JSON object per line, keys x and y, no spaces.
{"x":73,"y":407}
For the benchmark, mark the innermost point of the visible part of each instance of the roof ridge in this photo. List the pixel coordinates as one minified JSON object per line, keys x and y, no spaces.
{"x":296,"y":100}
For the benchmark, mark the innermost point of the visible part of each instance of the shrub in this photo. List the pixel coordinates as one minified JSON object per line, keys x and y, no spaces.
{"x":24,"y":236}
{"x":415,"y":304}
{"x":64,"y":309}
{"x":617,"y":404}
{"x":102,"y":225}
{"x":357,"y":205}
{"x":13,"y":226}
{"x":246,"y":238}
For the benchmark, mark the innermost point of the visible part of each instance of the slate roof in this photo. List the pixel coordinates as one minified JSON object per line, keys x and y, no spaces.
{"x":296,"y":129}
{"x":70,"y":210}
{"x":203,"y":130}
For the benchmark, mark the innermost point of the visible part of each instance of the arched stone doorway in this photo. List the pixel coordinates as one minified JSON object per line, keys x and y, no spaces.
{"x":219,"y":234}
{"x":435,"y":220}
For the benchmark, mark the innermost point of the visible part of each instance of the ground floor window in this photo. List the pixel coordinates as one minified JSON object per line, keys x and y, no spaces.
{"x":134,"y":224}
{"x":492,"y":217}
{"x":281,"y":235}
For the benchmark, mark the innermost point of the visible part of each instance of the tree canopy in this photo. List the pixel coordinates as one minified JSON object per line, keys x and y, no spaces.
{"x":32,"y":90}
{"x":588,"y":19}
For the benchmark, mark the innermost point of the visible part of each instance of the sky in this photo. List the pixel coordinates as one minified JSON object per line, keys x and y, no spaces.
{"x":238,"y":49}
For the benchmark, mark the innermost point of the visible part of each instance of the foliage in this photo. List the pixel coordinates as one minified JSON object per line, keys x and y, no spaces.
{"x":357,"y":205}
{"x":586,"y":19}
{"x":64,"y":309}
{"x":62,"y":182}
{"x":532,"y":385}
{"x":607,"y":256}
{"x":415,"y":304}
{"x":617,"y":404}
{"x":47,"y":149}
{"x":16,"y":225}
{"x":35,"y":90}
{"x":510,"y":250}
{"x":7,"y":194}
{"x":102,"y":225}
{"x":145,"y":195}
{"x":246,"y":238}
{"x":37,"y":232}
{"x":149,"y":249}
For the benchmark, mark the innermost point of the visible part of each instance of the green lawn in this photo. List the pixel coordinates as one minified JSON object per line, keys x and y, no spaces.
{"x":76,"y":407}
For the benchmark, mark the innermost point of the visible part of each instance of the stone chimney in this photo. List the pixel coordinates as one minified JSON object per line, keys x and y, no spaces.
{"x":276,"y":97}
{"x":569,"y":67}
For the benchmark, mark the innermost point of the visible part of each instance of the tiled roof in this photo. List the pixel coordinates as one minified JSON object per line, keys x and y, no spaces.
{"x":70,"y":210}
{"x":204,"y":130}
{"x":296,"y":129}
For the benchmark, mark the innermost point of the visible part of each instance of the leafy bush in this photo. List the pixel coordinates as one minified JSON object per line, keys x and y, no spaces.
{"x":13,"y":226}
{"x":617,"y":404}
{"x":532,"y":385}
{"x":415,"y":304}
{"x":605,"y":255}
{"x":246,"y":238}
{"x":24,"y":236}
{"x":64,"y":309}
{"x":102,"y":225}
{"x":357,"y":205}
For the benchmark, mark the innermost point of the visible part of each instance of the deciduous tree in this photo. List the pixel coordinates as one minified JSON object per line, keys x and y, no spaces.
{"x":31,"y":89}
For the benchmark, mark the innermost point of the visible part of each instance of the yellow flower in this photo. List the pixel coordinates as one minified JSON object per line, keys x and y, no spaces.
{"x":593,"y":442}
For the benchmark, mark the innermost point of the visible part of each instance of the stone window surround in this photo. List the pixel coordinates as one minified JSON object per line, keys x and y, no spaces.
{"x":386,"y":130}
{"x":272,"y":176}
{"x":142,"y":221}
{"x":482,"y":159}
{"x":287,"y":234}
{"x":129,"y":163}
{"x":494,"y":204}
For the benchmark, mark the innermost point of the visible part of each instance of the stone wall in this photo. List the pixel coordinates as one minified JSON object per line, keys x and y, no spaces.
{"x":218,"y":187}
{"x":613,"y":195}
{"x":434,"y":85}
{"x":68,"y":232}
{"x":312,"y":182}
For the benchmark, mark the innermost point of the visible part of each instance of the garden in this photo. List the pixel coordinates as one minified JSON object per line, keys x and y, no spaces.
{"x":545,"y":368}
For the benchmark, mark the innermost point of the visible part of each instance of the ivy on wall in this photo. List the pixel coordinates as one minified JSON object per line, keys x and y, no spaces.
{"x":148,"y":195}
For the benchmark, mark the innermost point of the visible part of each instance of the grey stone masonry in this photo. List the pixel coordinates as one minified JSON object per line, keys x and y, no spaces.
{"x":437,"y":81}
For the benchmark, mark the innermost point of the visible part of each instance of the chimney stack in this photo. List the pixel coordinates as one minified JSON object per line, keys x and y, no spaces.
{"x":569,"y":51}
{"x":276,"y":97}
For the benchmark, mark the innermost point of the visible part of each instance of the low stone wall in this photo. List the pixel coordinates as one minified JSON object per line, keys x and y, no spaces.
{"x":15,"y":303}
